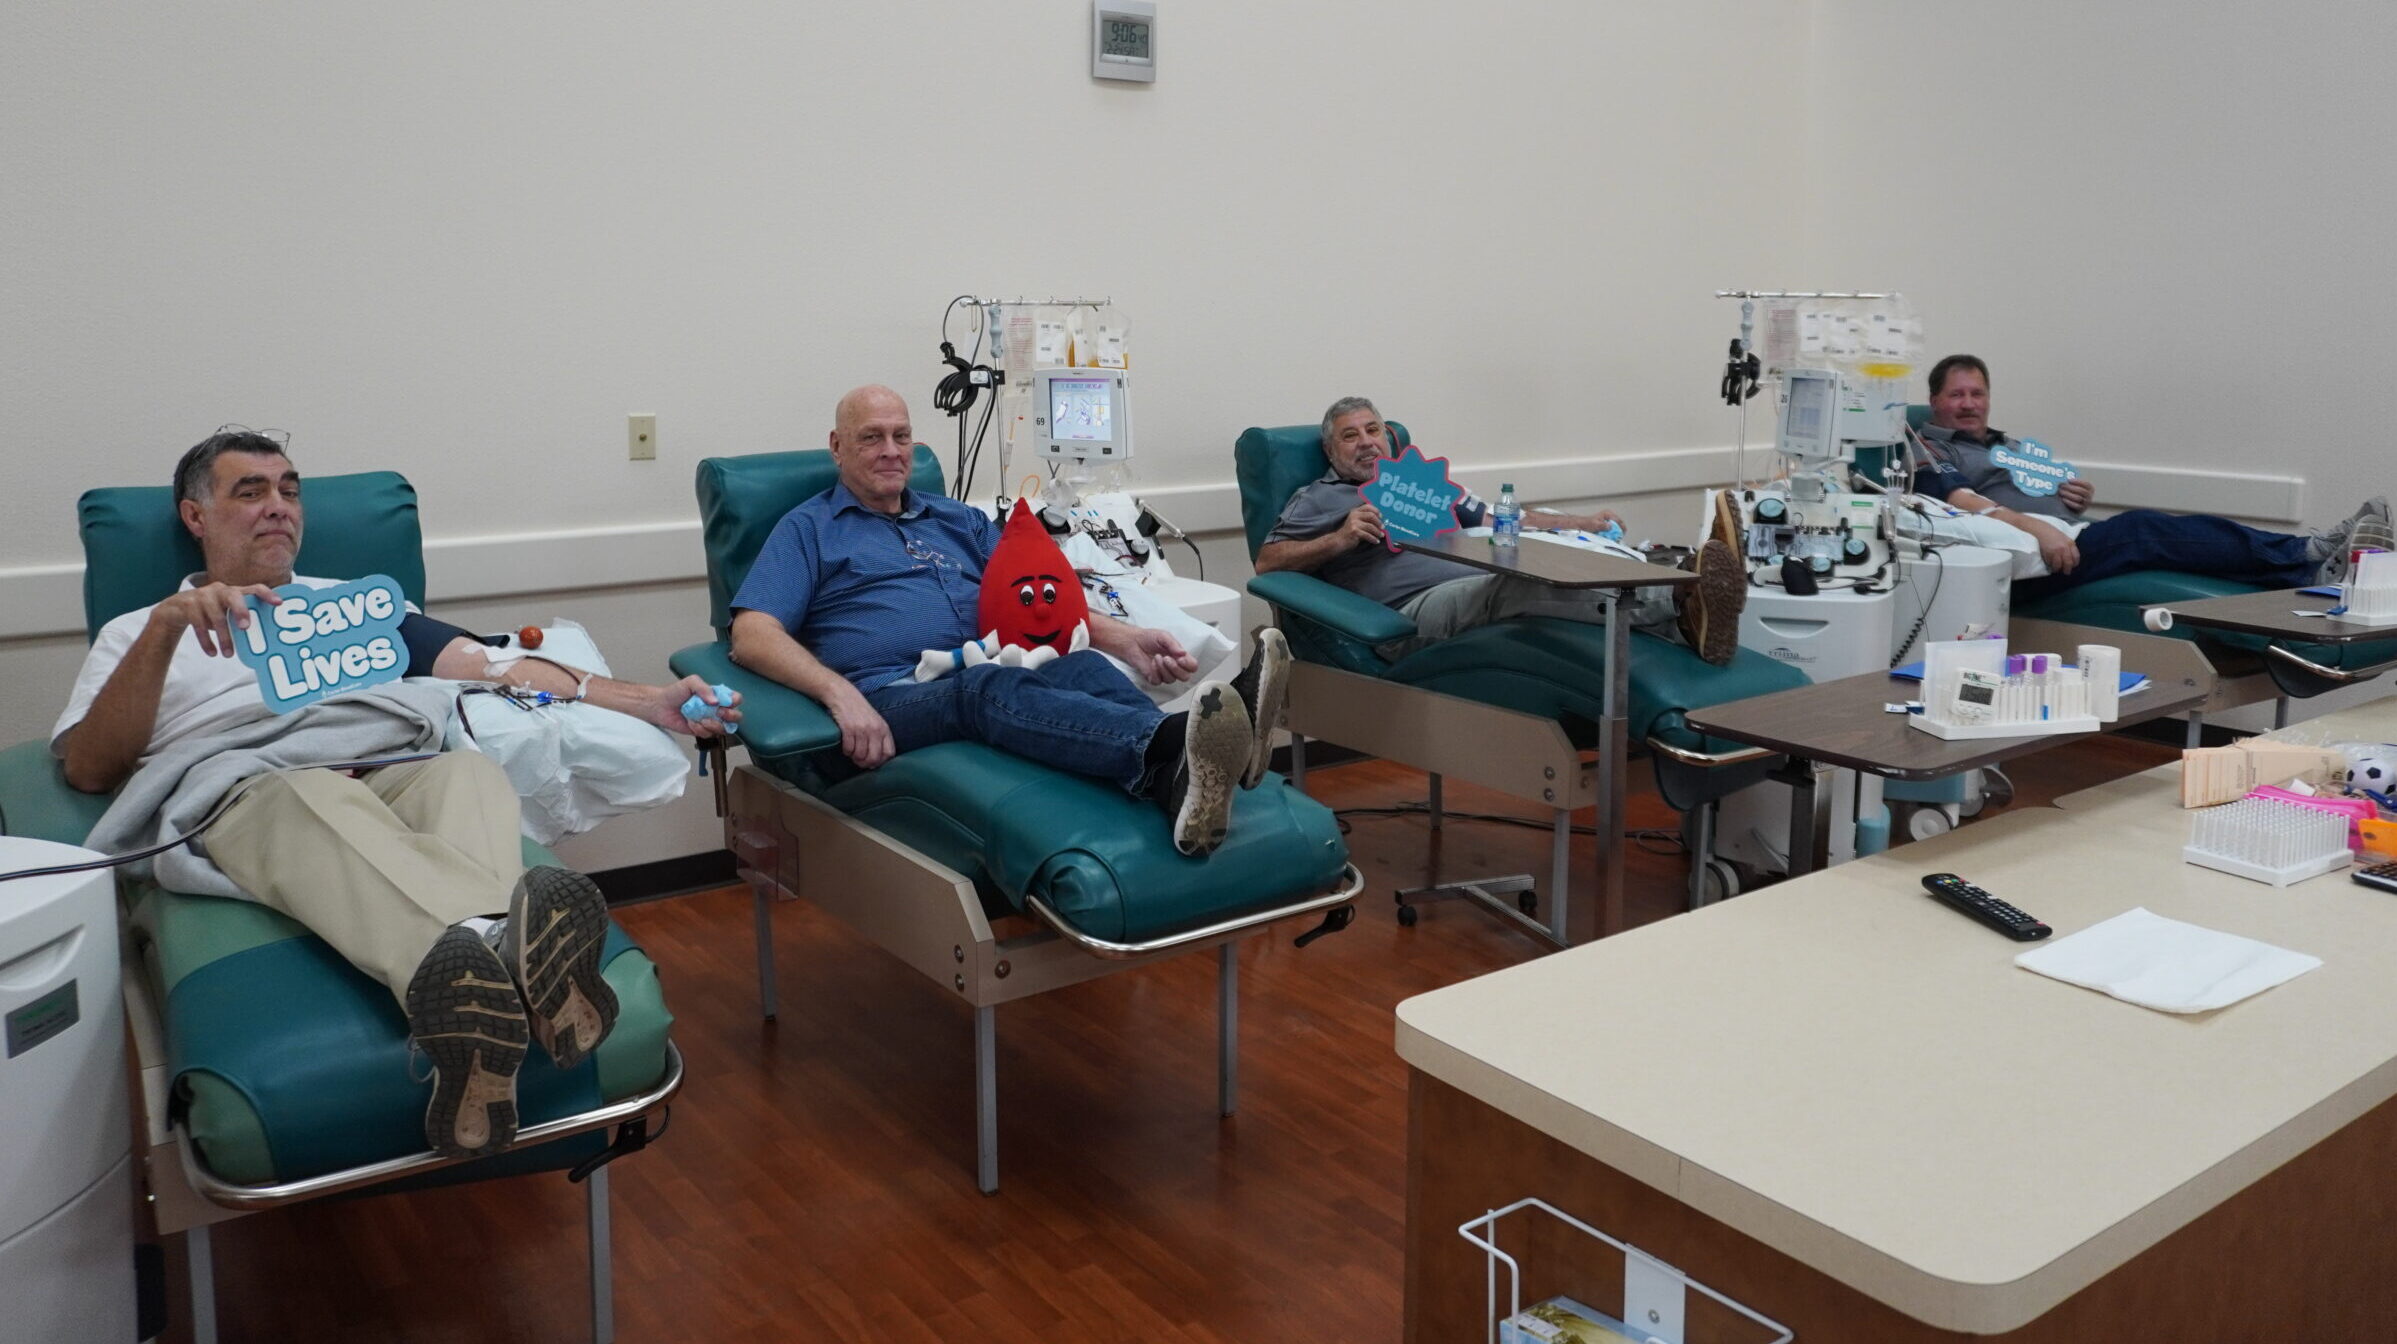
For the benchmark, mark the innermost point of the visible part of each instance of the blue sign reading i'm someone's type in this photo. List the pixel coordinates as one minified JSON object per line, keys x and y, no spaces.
{"x":322,"y":642}
{"x":1412,"y":492}
{"x":2032,"y":465}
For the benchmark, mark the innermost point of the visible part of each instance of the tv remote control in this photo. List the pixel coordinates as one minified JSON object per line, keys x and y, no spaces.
{"x":2381,"y":875}
{"x":1956,"y":893}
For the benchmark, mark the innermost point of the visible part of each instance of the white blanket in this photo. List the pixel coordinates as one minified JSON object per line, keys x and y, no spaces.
{"x":573,"y":765}
{"x":1934,"y":521}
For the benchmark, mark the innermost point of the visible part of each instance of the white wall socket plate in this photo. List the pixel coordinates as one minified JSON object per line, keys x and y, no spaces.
{"x":642,"y":435}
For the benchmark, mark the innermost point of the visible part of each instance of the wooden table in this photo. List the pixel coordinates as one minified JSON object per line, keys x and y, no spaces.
{"x":1845,"y":723}
{"x":2275,"y":616}
{"x":1561,"y":566}
{"x":1839,"y":1103}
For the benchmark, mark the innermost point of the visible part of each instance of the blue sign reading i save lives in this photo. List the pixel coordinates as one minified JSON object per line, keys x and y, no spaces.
{"x":2032,"y":465}
{"x":1414,"y":495}
{"x":322,"y":642}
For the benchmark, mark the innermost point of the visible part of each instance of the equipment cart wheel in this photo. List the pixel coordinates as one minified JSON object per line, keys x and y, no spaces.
{"x":1722,"y":881}
{"x":1407,"y":915}
{"x":1528,"y":902}
{"x":1928,"y":820}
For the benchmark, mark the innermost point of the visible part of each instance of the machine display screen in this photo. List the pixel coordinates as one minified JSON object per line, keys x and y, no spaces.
{"x":1809,"y":409}
{"x":1124,"y":40}
{"x":1082,"y":409}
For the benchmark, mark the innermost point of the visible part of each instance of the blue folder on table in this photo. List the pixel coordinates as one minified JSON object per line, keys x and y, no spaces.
{"x":2131,"y":681}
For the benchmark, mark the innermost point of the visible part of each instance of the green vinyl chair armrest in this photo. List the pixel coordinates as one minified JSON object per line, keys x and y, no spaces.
{"x":37,"y":803}
{"x":1358,"y":617}
{"x":776,"y":721}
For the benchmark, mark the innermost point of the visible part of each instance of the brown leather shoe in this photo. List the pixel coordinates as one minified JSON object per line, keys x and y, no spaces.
{"x":1725,"y":526}
{"x":1710,"y":610}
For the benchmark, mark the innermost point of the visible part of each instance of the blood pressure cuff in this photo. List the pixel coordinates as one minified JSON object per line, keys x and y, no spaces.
{"x":426,"y":638}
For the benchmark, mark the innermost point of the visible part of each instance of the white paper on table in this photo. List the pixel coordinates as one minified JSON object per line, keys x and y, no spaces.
{"x":2143,"y":958}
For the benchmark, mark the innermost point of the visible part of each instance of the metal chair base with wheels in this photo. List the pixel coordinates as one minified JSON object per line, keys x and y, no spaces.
{"x":1488,"y":892}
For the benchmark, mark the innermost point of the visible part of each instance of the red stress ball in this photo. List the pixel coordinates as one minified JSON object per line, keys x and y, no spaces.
{"x":529,"y":636}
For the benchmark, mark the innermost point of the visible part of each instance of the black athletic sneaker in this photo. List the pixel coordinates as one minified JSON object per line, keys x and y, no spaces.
{"x":550,"y":942}
{"x":1263,"y":686}
{"x":465,"y":1014}
{"x":1710,"y":610}
{"x":1216,"y":747}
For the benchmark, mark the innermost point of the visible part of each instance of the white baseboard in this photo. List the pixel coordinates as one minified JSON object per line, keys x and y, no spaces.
{"x":47,"y":599}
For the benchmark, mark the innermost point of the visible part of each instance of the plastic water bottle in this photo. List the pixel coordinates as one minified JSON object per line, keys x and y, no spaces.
{"x":1506,"y":518}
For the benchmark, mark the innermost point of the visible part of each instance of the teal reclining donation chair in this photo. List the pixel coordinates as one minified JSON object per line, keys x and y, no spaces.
{"x":2249,"y":668}
{"x":273,"y":1071}
{"x":1510,"y":706}
{"x":937,"y":852}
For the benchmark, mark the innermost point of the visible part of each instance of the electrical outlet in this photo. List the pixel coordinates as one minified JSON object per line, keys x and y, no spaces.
{"x":643,"y":434}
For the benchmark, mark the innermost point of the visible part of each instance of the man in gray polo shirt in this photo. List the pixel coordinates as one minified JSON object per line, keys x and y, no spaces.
{"x":1963,"y":473}
{"x":1329,"y":531}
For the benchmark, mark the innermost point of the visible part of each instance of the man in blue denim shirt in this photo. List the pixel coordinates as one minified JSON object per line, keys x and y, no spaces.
{"x":1963,"y":474}
{"x":854,"y":584}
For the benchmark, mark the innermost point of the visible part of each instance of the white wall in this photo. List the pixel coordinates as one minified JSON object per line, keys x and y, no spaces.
{"x":2164,"y":225}
{"x":466,"y":240}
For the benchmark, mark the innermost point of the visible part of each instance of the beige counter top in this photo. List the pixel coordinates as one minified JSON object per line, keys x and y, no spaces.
{"x":1860,"y":1078}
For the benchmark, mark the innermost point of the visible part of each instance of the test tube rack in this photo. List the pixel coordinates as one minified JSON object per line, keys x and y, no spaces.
{"x":1956,"y":732}
{"x":2267,"y":841}
{"x":2370,"y":596}
{"x":2016,"y":709}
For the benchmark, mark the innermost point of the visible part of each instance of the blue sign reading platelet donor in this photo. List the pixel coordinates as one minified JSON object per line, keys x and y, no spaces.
{"x":2034,"y":468}
{"x":1416,"y":499}
{"x":323,"y":642}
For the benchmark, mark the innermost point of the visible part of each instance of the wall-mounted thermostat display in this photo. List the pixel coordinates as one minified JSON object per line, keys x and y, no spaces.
{"x":1123,"y":40}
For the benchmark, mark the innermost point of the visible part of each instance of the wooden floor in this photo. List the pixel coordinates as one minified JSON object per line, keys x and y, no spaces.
{"x":817,"y":1183}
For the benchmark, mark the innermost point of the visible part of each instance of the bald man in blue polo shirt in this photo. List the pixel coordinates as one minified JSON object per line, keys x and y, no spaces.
{"x":853,"y":585}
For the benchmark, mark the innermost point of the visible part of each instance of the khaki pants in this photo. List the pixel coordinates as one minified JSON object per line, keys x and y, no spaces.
{"x":376,"y":866}
{"x":1486,"y":599}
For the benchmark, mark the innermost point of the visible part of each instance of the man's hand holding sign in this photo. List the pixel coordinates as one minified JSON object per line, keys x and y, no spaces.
{"x":307,"y":644}
{"x":2036,"y":471}
{"x":1409,"y":498}
{"x":2033,"y":468}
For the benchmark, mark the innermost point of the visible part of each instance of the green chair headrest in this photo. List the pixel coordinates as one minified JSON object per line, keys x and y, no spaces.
{"x":137,"y":551}
{"x":1271,"y":465}
{"x":1918,"y":415}
{"x":742,"y":498}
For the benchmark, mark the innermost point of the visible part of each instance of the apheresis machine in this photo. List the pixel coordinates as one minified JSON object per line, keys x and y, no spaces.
{"x":1840,"y":582}
{"x":1058,"y":421}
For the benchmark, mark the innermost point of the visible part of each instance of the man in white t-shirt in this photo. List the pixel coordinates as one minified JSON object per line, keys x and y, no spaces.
{"x":400,"y":869}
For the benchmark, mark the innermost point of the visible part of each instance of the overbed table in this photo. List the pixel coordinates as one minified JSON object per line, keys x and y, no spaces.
{"x":1561,"y":566}
{"x":2275,"y":616}
{"x":1845,"y":723}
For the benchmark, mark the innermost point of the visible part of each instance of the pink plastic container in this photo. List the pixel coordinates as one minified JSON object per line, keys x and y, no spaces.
{"x":2354,"y":809}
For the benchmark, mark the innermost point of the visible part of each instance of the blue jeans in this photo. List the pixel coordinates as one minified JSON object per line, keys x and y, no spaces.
{"x":2189,"y":543}
{"x":1077,"y":713}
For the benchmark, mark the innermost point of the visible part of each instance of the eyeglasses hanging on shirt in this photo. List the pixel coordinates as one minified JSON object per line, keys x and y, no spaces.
{"x":926,"y":555}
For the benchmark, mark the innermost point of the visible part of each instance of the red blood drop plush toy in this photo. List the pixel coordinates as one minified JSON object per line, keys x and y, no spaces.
{"x":1032,"y":608}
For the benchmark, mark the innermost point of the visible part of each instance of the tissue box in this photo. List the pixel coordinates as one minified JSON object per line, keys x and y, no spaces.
{"x":1561,"y":1320}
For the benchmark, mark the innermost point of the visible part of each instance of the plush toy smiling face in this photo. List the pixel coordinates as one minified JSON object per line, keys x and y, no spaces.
{"x":1030,"y":596}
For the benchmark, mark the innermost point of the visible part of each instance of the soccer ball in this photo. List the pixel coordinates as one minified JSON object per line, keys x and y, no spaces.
{"x":2371,"y":766}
